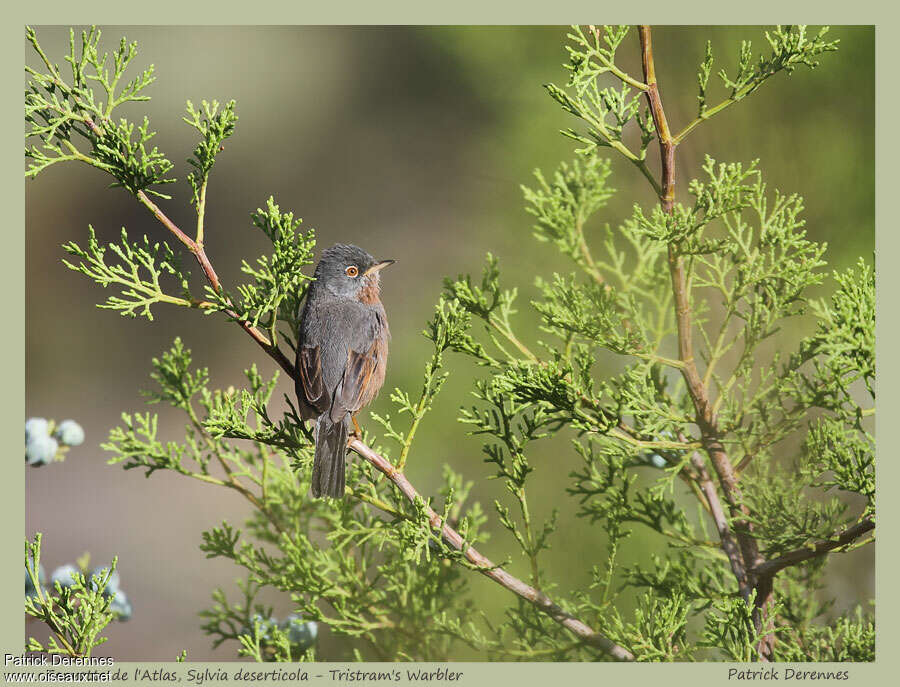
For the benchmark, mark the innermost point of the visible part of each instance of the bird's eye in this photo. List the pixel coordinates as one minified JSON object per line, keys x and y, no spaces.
{"x":352,"y":271}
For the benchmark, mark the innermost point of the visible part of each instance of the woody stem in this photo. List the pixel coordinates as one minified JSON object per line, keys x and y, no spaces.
{"x":746,"y":555}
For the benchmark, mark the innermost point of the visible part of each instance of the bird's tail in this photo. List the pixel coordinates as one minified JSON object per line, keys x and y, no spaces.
{"x":331,"y":451}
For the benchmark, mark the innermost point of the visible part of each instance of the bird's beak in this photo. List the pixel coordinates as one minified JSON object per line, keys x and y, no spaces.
{"x":378,"y":266}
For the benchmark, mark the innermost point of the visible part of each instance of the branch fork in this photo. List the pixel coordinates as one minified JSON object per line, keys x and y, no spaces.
{"x":752,"y":572}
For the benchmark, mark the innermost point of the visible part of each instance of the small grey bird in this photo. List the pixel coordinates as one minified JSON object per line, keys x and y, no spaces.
{"x":342,"y":347}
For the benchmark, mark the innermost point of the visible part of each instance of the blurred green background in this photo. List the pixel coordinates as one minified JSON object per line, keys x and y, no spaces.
{"x":412,"y":143}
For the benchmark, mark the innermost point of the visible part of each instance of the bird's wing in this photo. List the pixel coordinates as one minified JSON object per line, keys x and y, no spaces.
{"x":309,"y":365}
{"x":362,"y":363}
{"x":357,"y":380}
{"x":338,"y":356}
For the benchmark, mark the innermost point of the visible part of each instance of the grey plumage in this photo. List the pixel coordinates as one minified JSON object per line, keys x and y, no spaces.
{"x":329,"y":463}
{"x":341,"y":355}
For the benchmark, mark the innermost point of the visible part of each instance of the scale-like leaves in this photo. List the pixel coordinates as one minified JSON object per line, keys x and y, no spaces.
{"x":137,"y":272}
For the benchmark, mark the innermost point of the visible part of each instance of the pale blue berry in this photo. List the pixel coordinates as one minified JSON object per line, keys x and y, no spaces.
{"x":657,"y":461}
{"x":112,"y":585}
{"x":265,"y":626}
{"x":69,"y":433}
{"x":121,"y":606}
{"x":300,"y":632}
{"x":65,"y":575}
{"x":34,"y":427}
{"x":40,"y":450}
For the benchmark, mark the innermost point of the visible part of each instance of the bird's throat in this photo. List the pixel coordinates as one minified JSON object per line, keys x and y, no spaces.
{"x":371,"y":290}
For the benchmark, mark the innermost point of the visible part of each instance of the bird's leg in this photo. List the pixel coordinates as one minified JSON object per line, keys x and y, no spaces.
{"x":358,"y":431}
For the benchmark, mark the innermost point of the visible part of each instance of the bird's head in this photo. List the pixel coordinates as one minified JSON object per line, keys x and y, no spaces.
{"x":349,"y":271}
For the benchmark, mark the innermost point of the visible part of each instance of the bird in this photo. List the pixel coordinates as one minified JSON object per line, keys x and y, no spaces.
{"x":342,"y":349}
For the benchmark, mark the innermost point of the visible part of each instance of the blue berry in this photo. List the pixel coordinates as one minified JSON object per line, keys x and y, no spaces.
{"x":299,"y":632}
{"x":69,"y":433}
{"x":657,"y":461}
{"x":40,"y":450}
{"x":65,"y":575}
{"x":34,"y":427}
{"x":112,"y":585}
{"x":265,"y":626}
{"x":121,"y":606}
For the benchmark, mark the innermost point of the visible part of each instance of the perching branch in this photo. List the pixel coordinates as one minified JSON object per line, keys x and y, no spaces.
{"x":487,"y":568}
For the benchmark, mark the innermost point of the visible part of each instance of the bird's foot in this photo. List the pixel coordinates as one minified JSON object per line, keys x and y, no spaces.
{"x":357,"y":432}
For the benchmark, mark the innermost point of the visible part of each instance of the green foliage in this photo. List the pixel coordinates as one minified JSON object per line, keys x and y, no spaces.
{"x":136,"y":272}
{"x":842,"y":350}
{"x":279,"y":282}
{"x":787,"y":518}
{"x":729,"y":627}
{"x":57,"y":109}
{"x":839,"y":450}
{"x":849,"y":638}
{"x":690,"y":304}
{"x":214,"y":127}
{"x":842,"y":458}
{"x":128,"y":158}
{"x":562,"y":207}
{"x":259,"y":635}
{"x":76,"y":614}
{"x":370,"y":577}
{"x":606,"y":110}
{"x":750,"y":267}
{"x":658,"y":632}
{"x":791,"y":47}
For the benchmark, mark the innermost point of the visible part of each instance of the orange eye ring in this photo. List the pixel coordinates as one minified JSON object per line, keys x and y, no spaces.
{"x":352,"y":271}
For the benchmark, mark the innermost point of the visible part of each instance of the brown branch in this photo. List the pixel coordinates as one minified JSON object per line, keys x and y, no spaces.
{"x":487,"y":568}
{"x":770,"y":568}
{"x":666,"y":142}
{"x":748,"y":556}
{"x":199,"y":252}
{"x":729,"y":543}
{"x":144,"y":200}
